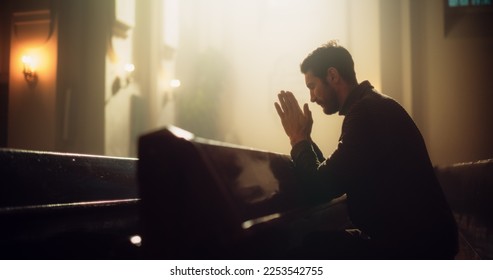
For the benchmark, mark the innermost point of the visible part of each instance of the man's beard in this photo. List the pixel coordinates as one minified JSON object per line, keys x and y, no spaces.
{"x":332,"y":103}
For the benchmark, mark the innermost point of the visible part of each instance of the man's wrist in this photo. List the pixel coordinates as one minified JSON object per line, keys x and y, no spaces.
{"x":299,"y":148}
{"x":297,"y":140}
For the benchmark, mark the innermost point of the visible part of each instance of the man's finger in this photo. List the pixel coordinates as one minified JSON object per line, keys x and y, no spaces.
{"x":293,"y":102}
{"x":283,"y":102}
{"x":279,"y":110}
{"x":307,"y":111}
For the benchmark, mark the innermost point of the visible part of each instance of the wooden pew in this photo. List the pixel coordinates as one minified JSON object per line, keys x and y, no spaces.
{"x":208,"y":200}
{"x":468,"y":187}
{"x":194,"y":199}
{"x":67,"y":206}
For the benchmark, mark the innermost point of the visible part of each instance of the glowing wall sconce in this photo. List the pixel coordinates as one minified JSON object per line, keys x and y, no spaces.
{"x":124,"y":79}
{"x":129,"y":69}
{"x":169,"y":95}
{"x":29,"y":69}
{"x":175,"y":83}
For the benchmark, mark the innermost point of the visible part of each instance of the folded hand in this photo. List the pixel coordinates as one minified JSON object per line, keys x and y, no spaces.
{"x":297,"y":123}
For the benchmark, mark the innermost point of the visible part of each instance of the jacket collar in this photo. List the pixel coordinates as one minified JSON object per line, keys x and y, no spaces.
{"x":354,"y":96}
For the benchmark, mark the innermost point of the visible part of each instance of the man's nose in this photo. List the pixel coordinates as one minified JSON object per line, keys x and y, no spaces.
{"x":312,"y":96}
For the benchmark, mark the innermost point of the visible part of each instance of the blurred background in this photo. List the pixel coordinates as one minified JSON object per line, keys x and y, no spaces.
{"x":90,"y":76}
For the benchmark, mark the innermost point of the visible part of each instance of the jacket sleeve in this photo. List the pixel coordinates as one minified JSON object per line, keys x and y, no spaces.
{"x":318,"y":152}
{"x":311,"y":170}
{"x":352,"y":163}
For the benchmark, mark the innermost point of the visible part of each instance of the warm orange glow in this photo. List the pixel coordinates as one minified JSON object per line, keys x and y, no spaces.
{"x":36,"y":64}
{"x":30,"y":64}
{"x":40,"y":58}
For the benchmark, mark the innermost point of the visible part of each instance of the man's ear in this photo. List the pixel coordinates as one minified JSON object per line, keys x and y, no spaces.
{"x":332,"y":75}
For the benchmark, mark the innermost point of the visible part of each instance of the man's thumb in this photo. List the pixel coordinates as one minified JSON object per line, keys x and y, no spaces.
{"x":307,"y":111}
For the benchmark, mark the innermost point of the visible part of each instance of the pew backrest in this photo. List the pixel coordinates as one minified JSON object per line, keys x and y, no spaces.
{"x":200,"y":196}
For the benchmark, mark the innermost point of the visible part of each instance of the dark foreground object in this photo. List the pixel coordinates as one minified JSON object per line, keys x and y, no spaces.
{"x":190,"y":198}
{"x":206,"y":200}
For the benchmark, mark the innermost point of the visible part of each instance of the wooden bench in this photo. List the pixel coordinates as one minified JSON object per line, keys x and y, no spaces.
{"x":251,"y":202}
{"x":469,"y":191}
{"x":195,"y":198}
{"x":190,"y":198}
{"x":205,"y":199}
{"x":67,"y":206}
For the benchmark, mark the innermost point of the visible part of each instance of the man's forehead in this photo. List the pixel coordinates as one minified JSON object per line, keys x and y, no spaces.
{"x":309,"y":77}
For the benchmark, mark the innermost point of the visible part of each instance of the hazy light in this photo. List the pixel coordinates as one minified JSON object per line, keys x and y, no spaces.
{"x":175,"y":83}
{"x":129,"y":67}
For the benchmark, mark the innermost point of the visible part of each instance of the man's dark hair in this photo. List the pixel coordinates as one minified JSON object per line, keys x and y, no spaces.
{"x":330,"y":55}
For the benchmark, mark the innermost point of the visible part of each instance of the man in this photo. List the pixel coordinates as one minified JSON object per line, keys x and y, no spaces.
{"x":381,"y":163}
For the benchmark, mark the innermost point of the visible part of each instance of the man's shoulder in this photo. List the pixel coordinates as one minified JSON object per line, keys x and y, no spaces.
{"x":375,"y":98}
{"x":376,"y":104}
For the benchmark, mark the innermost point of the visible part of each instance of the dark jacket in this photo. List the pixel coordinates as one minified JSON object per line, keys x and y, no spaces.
{"x":383,"y":166}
